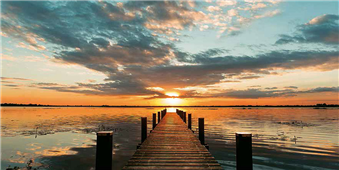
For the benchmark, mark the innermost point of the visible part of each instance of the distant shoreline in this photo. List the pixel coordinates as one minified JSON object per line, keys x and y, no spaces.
{"x":40,"y":105}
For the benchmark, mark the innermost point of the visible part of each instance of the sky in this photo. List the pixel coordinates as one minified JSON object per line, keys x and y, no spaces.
{"x":250,"y":52}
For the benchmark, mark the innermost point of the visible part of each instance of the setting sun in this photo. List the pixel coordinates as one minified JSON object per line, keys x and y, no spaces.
{"x":174,"y":100}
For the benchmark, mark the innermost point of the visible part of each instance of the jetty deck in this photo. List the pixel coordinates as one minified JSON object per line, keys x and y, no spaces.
{"x":171,"y":145}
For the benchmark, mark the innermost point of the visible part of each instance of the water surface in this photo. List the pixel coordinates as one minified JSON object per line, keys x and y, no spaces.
{"x":64,"y":138}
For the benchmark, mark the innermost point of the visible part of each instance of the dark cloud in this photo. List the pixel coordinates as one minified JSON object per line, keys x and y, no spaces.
{"x":255,"y":86}
{"x":11,"y":85}
{"x":250,"y":77}
{"x":322,"y":89}
{"x":46,"y":84}
{"x":272,"y":92}
{"x":230,"y":81}
{"x":15,"y":78}
{"x":128,"y":86}
{"x":322,"y":29}
{"x":271,"y":88}
{"x":7,"y":82}
{"x":291,"y":87}
{"x":257,"y":93}
{"x":205,"y":70}
{"x":250,"y":94}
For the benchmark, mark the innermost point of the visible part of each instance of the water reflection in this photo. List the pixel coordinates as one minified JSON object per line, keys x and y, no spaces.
{"x":64,"y":138}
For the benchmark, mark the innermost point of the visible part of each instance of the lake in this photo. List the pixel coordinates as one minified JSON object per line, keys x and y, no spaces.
{"x":64,"y":137}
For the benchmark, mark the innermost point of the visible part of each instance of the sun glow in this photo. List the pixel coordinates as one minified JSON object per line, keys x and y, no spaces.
{"x":174,"y":100}
{"x":172,"y":94}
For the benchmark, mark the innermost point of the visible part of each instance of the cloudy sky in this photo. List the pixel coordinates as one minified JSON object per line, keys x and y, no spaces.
{"x":170,"y":53}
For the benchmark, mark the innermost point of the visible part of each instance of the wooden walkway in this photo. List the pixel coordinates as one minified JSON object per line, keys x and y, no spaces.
{"x":171,"y":145}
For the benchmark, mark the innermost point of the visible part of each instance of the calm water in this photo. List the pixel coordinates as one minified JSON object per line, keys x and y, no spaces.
{"x":64,"y":138}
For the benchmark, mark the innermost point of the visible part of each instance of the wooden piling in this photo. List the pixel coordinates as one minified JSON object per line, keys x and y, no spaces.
{"x":244,"y":151}
{"x":158,"y":117}
{"x":143,"y":129}
{"x":154,"y":120}
{"x":162,"y":114}
{"x":202,"y":131}
{"x":185,"y":117}
{"x":189,"y":121}
{"x":104,"y":150}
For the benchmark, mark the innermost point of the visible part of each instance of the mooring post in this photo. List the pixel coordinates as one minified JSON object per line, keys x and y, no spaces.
{"x":185,"y":117}
{"x":158,"y":117}
{"x":154,"y":120}
{"x":143,"y":129}
{"x":190,"y":121}
{"x":244,"y":150}
{"x":202,"y":131}
{"x":104,"y":148}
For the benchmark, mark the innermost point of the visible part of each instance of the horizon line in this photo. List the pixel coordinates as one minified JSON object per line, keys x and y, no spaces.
{"x":66,"y":105}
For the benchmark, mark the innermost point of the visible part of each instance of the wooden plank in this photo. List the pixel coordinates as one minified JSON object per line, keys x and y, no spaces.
{"x":171,"y":145}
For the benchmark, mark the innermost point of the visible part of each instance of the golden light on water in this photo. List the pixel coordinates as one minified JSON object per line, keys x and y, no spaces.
{"x":171,"y":109}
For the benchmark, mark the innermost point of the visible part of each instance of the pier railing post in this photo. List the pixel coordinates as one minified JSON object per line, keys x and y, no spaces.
{"x":158,"y":117}
{"x":185,"y":117}
{"x":143,"y":129}
{"x":190,"y":121}
{"x":104,"y":150}
{"x":244,"y":151}
{"x":202,"y":131}
{"x":154,"y":120}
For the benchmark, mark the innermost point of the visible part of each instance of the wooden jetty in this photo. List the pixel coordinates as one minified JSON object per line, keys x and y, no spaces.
{"x":172,"y":145}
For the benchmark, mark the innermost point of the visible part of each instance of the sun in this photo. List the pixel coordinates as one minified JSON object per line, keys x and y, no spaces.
{"x":173,"y":98}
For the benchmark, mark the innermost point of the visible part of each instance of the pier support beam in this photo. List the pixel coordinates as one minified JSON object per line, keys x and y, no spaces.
{"x":185,"y":117}
{"x":162,"y":114}
{"x":244,"y":151}
{"x":202,"y":131}
{"x":189,"y":121}
{"x":104,"y":150}
{"x":158,"y":117}
{"x":154,"y":120}
{"x":143,"y":129}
